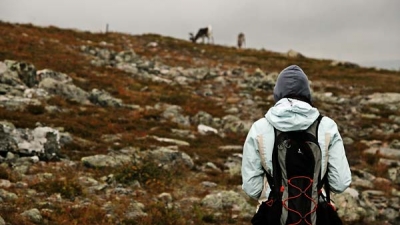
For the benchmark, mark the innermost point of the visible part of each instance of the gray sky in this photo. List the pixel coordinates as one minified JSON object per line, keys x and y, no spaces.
{"x":359,"y":31}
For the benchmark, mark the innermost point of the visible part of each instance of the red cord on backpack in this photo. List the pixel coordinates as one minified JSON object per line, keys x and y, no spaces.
{"x":269,"y":203}
{"x":284,"y":201}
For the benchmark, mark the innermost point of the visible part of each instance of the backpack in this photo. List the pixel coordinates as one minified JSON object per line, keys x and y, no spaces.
{"x":296,"y":185}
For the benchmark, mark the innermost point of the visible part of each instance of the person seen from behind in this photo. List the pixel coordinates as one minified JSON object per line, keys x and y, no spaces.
{"x":293,"y":111}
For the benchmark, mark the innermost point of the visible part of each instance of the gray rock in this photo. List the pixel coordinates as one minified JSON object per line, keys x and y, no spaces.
{"x":7,"y":142}
{"x":348,"y":207}
{"x":168,"y":157}
{"x":66,"y":90}
{"x":219,"y":200}
{"x":8,"y":196}
{"x":26,"y":72}
{"x":47,"y":73}
{"x":10,"y":78}
{"x":390,"y":213}
{"x":203,"y":129}
{"x":231,"y":148}
{"x":345,"y":64}
{"x":202,"y":118}
{"x":42,"y":141}
{"x":384,"y":152}
{"x":389,"y":162}
{"x":395,"y":144}
{"x":173,"y":113}
{"x":103,"y":98}
{"x":33,"y":215}
{"x":383,"y":98}
{"x":394,"y":175}
{"x":171,"y":141}
{"x":294,"y":54}
{"x":134,"y":210}
{"x":100,"y":161}
{"x":14,"y":103}
{"x":126,"y":56}
{"x":209,"y":184}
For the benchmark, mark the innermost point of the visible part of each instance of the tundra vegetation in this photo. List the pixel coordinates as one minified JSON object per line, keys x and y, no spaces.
{"x":147,"y":129}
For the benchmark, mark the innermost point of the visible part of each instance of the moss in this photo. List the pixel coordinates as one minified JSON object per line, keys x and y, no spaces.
{"x":148,"y":174}
{"x":4,"y":173}
{"x":36,"y":109}
{"x":68,"y":188}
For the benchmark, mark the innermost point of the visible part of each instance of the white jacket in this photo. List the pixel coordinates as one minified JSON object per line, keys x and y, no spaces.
{"x":290,"y":115}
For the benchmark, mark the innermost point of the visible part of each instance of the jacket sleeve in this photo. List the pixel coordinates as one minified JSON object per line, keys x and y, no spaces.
{"x":252,"y":171}
{"x":339,"y":174}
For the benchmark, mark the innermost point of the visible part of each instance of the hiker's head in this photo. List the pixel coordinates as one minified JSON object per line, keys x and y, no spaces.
{"x":292,"y":83}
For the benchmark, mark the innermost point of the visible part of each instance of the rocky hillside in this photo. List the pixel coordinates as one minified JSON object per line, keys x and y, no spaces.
{"x":119,"y":129}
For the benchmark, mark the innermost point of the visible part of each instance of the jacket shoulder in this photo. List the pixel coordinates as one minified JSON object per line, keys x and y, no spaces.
{"x":262,"y":125}
{"x":328,"y":124}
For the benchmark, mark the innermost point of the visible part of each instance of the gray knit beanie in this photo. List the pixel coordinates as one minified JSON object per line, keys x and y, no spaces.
{"x":292,"y":81}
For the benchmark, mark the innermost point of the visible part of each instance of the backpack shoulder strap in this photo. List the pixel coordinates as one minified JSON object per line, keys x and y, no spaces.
{"x":275,"y":181}
{"x":321,"y":174}
{"x":317,"y":122}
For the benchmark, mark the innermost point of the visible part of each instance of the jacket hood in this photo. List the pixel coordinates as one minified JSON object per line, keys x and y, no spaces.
{"x":291,"y":114}
{"x":292,"y":81}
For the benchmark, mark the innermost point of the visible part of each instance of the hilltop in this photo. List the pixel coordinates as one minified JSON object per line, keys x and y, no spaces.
{"x":112,"y":128}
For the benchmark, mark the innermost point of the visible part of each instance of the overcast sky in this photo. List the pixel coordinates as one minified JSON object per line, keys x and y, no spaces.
{"x":353,"y":30}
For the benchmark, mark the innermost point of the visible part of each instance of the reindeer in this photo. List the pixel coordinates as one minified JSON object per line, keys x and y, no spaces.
{"x":203,"y":33}
{"x":241,"y":40}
